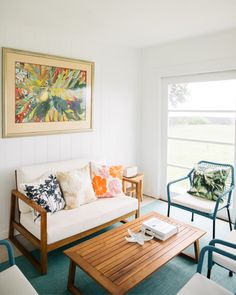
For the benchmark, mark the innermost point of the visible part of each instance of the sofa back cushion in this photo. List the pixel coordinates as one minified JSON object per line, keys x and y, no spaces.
{"x":30,"y":173}
{"x":76,"y":187}
{"x":107,"y":180}
{"x":46,"y":192}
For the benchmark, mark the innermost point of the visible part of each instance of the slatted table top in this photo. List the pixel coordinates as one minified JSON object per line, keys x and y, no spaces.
{"x":118,"y":265}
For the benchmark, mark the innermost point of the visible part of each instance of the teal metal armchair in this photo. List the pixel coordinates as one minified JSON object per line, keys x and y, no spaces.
{"x":199,"y":284}
{"x":12,"y":281}
{"x":206,"y":208}
{"x":211,"y":249}
{"x":9,"y":251}
{"x":228,"y":245}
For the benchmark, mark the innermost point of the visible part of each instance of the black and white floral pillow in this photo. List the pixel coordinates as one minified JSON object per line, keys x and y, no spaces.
{"x":46,"y":193}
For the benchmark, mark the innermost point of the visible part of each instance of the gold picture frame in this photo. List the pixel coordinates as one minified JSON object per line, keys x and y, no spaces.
{"x":45,"y":94}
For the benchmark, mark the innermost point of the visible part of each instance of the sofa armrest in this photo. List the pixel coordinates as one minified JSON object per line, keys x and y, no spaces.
{"x":29,"y":202}
{"x":43,"y":220}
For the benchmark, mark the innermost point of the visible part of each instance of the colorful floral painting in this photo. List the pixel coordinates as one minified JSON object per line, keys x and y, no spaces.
{"x":49,"y":94}
{"x":46,"y":94}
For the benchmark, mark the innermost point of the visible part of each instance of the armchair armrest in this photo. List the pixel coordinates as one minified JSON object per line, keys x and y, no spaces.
{"x":175,"y":181}
{"x":9,"y":251}
{"x":222,"y":242}
{"x":226,"y":192}
{"x":29,"y":202}
{"x":210,"y":250}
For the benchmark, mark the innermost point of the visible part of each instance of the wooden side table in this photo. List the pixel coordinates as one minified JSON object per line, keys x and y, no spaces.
{"x":136,"y":185}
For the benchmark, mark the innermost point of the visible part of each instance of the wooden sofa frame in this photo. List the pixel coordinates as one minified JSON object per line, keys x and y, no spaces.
{"x":41,"y":243}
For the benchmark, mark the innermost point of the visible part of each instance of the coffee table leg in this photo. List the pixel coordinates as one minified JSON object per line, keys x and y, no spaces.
{"x":138,"y":192}
{"x":71,"y":279}
{"x":197,"y":250}
{"x":196,"y":255}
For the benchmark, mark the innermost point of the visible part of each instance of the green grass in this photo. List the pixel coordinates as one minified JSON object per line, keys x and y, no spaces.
{"x":188,"y":153}
{"x":211,"y":132}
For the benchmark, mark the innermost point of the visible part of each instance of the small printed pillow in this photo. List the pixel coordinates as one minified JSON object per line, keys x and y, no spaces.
{"x":46,"y":193}
{"x":76,"y":187}
{"x":209,"y":184}
{"x":107,"y":181}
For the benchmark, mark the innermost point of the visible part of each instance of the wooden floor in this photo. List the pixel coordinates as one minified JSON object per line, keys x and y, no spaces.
{"x":118,"y":265}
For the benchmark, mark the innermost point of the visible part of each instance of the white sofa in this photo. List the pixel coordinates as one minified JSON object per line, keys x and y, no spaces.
{"x":65,"y":226}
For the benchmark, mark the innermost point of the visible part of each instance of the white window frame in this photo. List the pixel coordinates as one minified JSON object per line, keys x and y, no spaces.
{"x":165,"y":81}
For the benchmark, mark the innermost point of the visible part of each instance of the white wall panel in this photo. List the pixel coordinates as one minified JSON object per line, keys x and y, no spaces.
{"x":115,"y":102}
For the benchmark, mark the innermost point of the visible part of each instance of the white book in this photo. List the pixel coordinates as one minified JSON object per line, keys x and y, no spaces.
{"x":161,"y":229}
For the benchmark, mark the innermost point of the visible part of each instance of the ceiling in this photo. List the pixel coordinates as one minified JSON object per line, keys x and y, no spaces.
{"x":130,"y":23}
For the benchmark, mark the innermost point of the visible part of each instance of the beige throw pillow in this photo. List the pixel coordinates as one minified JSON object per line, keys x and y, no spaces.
{"x":76,"y":187}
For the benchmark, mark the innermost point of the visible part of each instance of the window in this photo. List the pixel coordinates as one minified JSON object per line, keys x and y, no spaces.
{"x":201,"y":123}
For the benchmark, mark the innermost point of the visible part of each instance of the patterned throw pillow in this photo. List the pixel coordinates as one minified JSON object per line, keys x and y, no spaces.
{"x":45,"y":193}
{"x":76,"y":187}
{"x":107,"y":181}
{"x":209,"y":184}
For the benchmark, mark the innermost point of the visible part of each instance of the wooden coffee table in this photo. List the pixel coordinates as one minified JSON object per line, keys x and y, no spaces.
{"x":117,"y":265}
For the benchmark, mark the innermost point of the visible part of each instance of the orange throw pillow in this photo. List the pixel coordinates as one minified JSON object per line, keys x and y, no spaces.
{"x":107,"y":180}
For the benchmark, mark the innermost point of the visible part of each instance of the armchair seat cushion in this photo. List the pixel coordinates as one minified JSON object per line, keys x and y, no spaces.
{"x":13,"y":282}
{"x":66,"y":223}
{"x":200,"y":204}
{"x":199,"y":284}
{"x":226,"y":262}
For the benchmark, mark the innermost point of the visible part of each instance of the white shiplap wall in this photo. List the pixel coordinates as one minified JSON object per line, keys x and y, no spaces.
{"x":115,"y":105}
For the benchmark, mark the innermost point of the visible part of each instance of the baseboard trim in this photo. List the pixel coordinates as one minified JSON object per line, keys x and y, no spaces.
{"x":4,"y":234}
{"x":154,"y":197}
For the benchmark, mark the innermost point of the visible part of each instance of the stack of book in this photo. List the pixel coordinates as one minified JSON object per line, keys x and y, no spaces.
{"x":161,"y":230}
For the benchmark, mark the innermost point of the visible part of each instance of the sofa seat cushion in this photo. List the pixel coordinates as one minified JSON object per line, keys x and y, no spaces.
{"x":13,"y":282}
{"x":199,"y":284}
{"x":66,"y":223}
{"x":226,"y":262}
{"x":200,"y":204}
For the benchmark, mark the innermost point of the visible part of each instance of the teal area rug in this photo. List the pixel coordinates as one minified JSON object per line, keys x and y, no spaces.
{"x":166,"y":281}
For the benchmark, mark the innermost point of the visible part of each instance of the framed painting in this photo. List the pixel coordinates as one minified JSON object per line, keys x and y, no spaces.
{"x":45,"y":94}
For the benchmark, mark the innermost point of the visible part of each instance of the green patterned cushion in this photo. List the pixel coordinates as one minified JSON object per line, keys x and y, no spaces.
{"x":209,"y":184}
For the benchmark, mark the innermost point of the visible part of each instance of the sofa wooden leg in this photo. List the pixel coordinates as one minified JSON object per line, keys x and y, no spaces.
{"x":12,"y":216}
{"x":25,"y":252}
{"x":43,"y":244}
{"x":43,"y":256}
{"x":44,"y":262}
